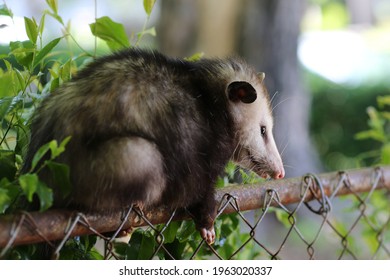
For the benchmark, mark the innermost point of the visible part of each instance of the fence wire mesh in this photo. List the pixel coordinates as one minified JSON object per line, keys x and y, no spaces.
{"x":299,"y":218}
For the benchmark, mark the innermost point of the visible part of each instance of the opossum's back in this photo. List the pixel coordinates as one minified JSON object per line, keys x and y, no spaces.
{"x":110,"y":94}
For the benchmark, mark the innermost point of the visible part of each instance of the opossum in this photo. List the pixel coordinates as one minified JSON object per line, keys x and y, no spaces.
{"x":151,"y":130}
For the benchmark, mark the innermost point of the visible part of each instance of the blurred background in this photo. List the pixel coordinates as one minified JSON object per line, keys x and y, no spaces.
{"x":325,"y":61}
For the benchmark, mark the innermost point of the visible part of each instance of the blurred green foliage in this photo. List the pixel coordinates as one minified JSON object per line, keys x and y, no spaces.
{"x":339,"y":113}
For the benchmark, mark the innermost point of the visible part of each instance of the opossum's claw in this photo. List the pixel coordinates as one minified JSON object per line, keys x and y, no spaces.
{"x":208,"y":235}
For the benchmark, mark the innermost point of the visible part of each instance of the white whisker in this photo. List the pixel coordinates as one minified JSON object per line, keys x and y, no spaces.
{"x":281,"y":102}
{"x":273,"y":96}
{"x":284,"y":148}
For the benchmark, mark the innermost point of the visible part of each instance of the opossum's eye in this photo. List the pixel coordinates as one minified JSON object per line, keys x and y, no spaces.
{"x":263,"y":130}
{"x":241,"y":91}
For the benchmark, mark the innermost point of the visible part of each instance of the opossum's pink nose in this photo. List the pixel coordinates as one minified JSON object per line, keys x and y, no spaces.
{"x":279,"y":174}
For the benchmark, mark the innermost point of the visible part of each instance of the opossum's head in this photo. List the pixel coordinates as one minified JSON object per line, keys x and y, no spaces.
{"x":252,"y":115}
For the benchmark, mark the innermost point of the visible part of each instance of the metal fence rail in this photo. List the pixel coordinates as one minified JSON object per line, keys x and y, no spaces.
{"x":312,"y":193}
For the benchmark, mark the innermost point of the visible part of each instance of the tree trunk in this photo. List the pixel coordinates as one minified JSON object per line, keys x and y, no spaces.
{"x":270,"y":41}
{"x":187,"y":27}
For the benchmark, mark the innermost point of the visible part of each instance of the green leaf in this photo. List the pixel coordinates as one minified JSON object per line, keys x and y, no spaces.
{"x":23,"y":52}
{"x":66,"y":70}
{"x":41,"y":25}
{"x":195,"y":57}
{"x":45,"y":50}
{"x":80,"y":249}
{"x":31,"y":29}
{"x":151,"y":31}
{"x":53,"y":4}
{"x":385,"y":115}
{"x":29,"y":185}
{"x":58,"y":150}
{"x":148,"y":6}
{"x":22,"y":137}
{"x":54,"y":84}
{"x":39,"y":155}
{"x":5,"y":200}
{"x":8,"y":194}
{"x":61,"y":176}
{"x":6,"y":90}
{"x":383,"y":101}
{"x":370,"y":134}
{"x":283,"y":217}
{"x":385,"y":154}
{"x":7,"y":164}
{"x":141,"y":245}
{"x":4,"y":11}
{"x":54,"y":149}
{"x":170,"y":232}
{"x":7,"y":104}
{"x":11,"y":81}
{"x":21,"y":79}
{"x":186,"y":231}
{"x":375,"y":121}
{"x":45,"y":195}
{"x":56,"y":17}
{"x":111,"y":32}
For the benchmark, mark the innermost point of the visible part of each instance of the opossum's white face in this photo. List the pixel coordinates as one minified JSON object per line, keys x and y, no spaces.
{"x":256,"y":149}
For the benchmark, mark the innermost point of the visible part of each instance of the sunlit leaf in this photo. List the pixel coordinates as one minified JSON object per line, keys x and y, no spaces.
{"x":111,"y":32}
{"x":4,"y":11}
{"x":41,"y":25}
{"x":195,"y":57}
{"x":150,"y":31}
{"x":31,"y":29}
{"x":283,"y":217}
{"x":385,"y":154}
{"x":383,"y":100}
{"x":23,"y":52}
{"x":58,"y":150}
{"x":56,"y":17}
{"x":7,"y":91}
{"x":7,"y":104}
{"x":370,"y":134}
{"x":53,"y":4}
{"x":148,"y":6}
{"x":45,"y":50}
{"x":29,"y":185}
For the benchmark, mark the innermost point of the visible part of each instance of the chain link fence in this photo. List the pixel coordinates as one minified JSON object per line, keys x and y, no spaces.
{"x":298,"y":218}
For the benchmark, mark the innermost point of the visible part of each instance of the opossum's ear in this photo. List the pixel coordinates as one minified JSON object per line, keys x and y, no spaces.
{"x":261,"y":76}
{"x":241,"y":91}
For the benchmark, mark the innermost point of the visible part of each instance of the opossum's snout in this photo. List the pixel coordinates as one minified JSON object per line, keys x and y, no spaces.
{"x":280,"y":174}
{"x":276,"y":172}
{"x":264,"y":160}
{"x":266,"y":167}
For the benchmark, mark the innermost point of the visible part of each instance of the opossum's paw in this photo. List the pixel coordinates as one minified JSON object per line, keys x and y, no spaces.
{"x":208,"y":235}
{"x":124,"y":232}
